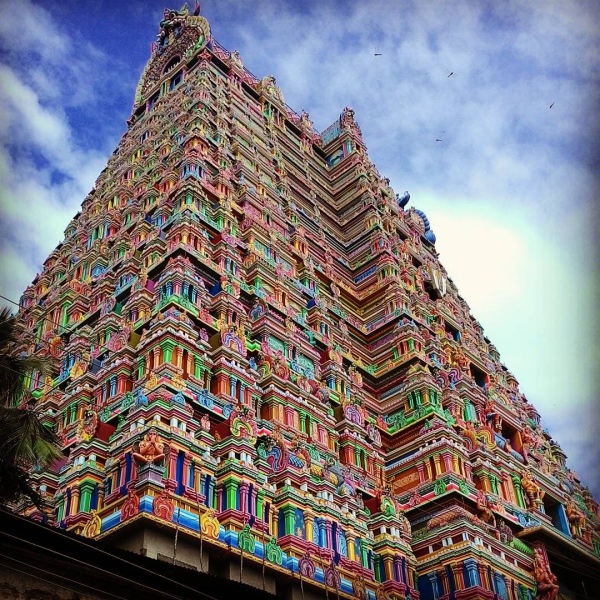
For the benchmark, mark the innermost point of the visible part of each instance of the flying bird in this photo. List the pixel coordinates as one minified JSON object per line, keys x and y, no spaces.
{"x":377,"y":53}
{"x":552,"y":105}
{"x":450,"y":74}
{"x":438,"y":140}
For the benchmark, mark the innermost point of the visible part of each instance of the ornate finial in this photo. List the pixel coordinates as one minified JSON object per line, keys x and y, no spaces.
{"x":172,"y":23}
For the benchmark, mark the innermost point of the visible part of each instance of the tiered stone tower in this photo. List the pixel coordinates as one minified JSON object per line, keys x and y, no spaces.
{"x":265,"y":371}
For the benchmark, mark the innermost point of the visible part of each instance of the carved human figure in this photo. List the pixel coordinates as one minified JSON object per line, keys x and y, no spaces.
{"x":152,"y":449}
{"x":533,"y":494}
{"x":547,"y":588}
{"x":484,"y":508}
{"x":576,"y":518}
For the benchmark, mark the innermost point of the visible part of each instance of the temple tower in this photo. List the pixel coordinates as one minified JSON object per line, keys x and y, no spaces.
{"x":263,"y":360}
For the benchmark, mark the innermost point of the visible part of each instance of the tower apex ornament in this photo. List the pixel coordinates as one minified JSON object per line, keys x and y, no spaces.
{"x":181,"y":35}
{"x":174,"y":23}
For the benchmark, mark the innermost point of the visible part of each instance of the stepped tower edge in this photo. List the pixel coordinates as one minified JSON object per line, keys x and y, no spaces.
{"x":260,"y":350}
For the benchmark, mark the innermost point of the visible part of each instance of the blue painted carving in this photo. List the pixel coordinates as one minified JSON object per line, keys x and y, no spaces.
{"x":140,"y":398}
{"x":178,"y":398}
{"x":428,"y":234}
{"x":205,"y":399}
{"x":402,"y":200}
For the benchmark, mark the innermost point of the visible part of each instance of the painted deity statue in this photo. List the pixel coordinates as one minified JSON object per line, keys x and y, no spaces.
{"x":532,"y":491}
{"x":151,"y":450}
{"x":547,"y":588}
{"x":576,"y":518}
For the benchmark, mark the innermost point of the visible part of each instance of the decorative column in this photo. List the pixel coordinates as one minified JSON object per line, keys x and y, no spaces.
{"x":231,"y":489}
{"x":421,"y":471}
{"x":458,"y":576}
{"x":436,"y":464}
{"x":260,"y":504}
{"x":75,"y":500}
{"x":243,"y":487}
{"x":447,"y":458}
{"x":156,"y":356}
{"x":518,"y":491}
{"x":456,"y":464}
{"x":363,"y":550}
{"x":86,"y":488}
{"x":253,"y":503}
{"x":468,"y":470}
{"x":388,"y":568}
{"x":483,"y":576}
{"x":429,"y":469}
{"x":471,"y":567}
{"x":433,"y":578}
{"x":274,"y":521}
{"x":308,"y":526}
{"x":210,"y":500}
{"x":445,"y":582}
{"x":101,"y":493}
{"x":398,"y":569}
{"x":328,"y":539}
{"x":507,"y":487}
{"x":350,"y":536}
{"x":289,"y":514}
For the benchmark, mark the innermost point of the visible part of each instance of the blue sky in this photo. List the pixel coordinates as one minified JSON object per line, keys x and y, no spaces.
{"x":509,"y":190}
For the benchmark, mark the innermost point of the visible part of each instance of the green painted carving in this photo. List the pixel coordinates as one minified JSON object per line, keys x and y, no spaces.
{"x":261,"y":451}
{"x":463,"y":487}
{"x":440,"y":487}
{"x":127,"y":401}
{"x":246,"y":540}
{"x":273,"y":552}
{"x":517,"y":544}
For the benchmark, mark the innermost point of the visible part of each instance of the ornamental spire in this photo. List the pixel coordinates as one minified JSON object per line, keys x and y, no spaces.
{"x":181,"y":35}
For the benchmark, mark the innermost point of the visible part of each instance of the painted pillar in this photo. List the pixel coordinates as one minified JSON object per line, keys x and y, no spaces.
{"x":397,"y":569}
{"x":75,"y":506}
{"x":329,"y":541}
{"x":468,"y":471}
{"x":483,"y":576}
{"x":210,"y":501}
{"x":429,"y":469}
{"x":518,"y":491}
{"x":172,"y":473}
{"x":447,"y":457}
{"x":458,"y":576}
{"x":436,"y":464}
{"x":260,"y":504}
{"x":231,"y":488}
{"x":289,"y":513}
{"x":363,"y":550}
{"x":388,"y":567}
{"x":350,"y":545}
{"x":86,"y":488}
{"x":308,"y":525}
{"x":253,"y":503}
{"x":243,"y":487}
{"x":156,"y":354}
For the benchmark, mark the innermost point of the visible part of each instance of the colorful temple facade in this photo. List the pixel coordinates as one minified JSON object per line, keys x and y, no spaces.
{"x":266,"y":373}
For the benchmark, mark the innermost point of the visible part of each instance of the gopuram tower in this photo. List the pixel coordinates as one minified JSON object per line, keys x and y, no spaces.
{"x":263,"y":361}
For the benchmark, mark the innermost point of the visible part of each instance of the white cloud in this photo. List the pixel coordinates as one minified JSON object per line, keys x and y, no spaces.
{"x":44,"y":168}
